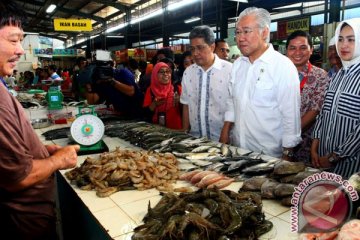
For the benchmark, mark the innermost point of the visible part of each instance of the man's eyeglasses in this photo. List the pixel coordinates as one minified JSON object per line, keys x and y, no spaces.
{"x":198,"y":48}
{"x":245,"y":32}
{"x":163,"y":72}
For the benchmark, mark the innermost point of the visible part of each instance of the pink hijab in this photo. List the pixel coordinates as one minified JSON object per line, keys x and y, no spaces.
{"x":160,"y":90}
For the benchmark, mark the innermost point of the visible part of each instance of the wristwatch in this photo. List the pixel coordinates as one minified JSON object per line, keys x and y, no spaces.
{"x":333,"y":158}
{"x":288,"y":153}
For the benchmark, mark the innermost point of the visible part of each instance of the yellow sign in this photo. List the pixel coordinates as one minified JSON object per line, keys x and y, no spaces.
{"x":300,"y":24}
{"x":76,"y":25}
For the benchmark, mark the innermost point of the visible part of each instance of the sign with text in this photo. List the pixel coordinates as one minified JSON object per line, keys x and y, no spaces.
{"x":49,"y":52}
{"x":76,"y":25}
{"x":299,"y":24}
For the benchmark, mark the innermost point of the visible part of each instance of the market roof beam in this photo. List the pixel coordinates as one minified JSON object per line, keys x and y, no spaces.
{"x":116,"y":5}
{"x":81,"y":14}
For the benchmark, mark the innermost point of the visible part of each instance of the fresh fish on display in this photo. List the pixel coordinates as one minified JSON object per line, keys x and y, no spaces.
{"x":182,"y":160}
{"x":233,"y":151}
{"x":187,"y":176}
{"x":259,"y":169}
{"x":200,"y":163}
{"x":57,"y":133}
{"x":284,"y":190}
{"x":203,"y":148}
{"x":198,"y":176}
{"x":214,"y":150}
{"x":239,"y":165}
{"x":253,"y":184}
{"x":225,"y":151}
{"x":221,"y":183}
{"x":180,"y":155}
{"x":286,"y":167}
{"x":209,"y":179}
{"x":268,"y":188}
{"x":201,"y":156}
{"x":354,"y":180}
{"x":286,"y":201}
{"x":167,"y":142}
{"x":243,"y":152}
{"x":215,"y":167}
{"x":187,"y":166}
{"x":299,"y":177}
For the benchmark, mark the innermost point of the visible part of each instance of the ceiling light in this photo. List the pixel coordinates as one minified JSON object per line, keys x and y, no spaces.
{"x":115,"y":36}
{"x":83,"y":46}
{"x":51,"y":8}
{"x":144,"y":17}
{"x":112,"y":29}
{"x":94,"y":36}
{"x":193,"y":19}
{"x":180,"y":4}
{"x":31,"y":33}
{"x":242,"y":1}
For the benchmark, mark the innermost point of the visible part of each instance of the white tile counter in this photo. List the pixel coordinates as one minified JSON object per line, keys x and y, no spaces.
{"x":122,"y":211}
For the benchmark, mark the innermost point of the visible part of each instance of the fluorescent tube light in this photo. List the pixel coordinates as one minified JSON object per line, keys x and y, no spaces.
{"x":144,"y":17}
{"x":193,"y":19}
{"x":115,"y":36}
{"x":31,"y":33}
{"x":83,"y":46}
{"x":94,"y":36}
{"x":112,"y":29}
{"x":51,"y":8}
{"x":180,"y":4}
{"x":242,"y":1}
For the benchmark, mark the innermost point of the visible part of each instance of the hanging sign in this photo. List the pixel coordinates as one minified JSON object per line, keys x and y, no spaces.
{"x":299,"y":24}
{"x":76,"y":25}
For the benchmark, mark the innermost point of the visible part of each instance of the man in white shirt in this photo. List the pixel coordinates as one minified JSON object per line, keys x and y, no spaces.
{"x":204,"y":87}
{"x":264,"y":103}
{"x":53,"y":74}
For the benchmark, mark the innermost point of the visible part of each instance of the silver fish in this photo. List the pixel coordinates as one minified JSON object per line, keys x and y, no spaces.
{"x":202,"y":148}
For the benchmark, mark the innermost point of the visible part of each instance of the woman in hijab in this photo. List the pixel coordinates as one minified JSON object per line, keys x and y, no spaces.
{"x":336,"y":137}
{"x":162,"y":99}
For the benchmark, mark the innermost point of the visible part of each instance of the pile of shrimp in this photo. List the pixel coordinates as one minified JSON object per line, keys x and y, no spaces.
{"x":124,"y":169}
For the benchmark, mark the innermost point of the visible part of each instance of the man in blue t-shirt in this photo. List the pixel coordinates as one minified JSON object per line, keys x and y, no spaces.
{"x":121,"y":91}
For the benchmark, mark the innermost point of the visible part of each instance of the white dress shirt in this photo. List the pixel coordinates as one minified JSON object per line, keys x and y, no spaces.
{"x":264,"y":103}
{"x":205,"y":92}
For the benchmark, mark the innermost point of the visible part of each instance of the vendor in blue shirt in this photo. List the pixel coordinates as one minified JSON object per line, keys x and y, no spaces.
{"x":120,"y":91}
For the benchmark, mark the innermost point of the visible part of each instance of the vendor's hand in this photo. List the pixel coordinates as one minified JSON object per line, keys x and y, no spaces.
{"x":314,"y":153}
{"x":52,"y":148}
{"x":65,"y":157}
{"x":324,"y":161}
{"x":224,"y":136}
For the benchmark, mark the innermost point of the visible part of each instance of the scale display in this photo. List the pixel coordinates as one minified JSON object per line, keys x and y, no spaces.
{"x":87,"y":129}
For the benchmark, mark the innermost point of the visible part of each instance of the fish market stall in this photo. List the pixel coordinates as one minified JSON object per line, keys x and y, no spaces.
{"x":118,"y":214}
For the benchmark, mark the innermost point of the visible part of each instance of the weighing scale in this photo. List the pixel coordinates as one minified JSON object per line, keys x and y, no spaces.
{"x":88,"y":130}
{"x":54,"y":97}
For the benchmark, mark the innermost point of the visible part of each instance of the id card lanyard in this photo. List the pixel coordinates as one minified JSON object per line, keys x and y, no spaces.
{"x":304,"y":80}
